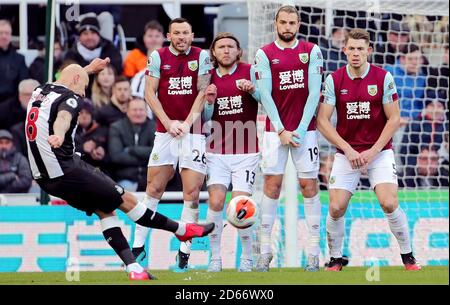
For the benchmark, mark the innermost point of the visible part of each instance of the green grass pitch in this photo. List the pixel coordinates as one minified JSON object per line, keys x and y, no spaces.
{"x":290,"y":276}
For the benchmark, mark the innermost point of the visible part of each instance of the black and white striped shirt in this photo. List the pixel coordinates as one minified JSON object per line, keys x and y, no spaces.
{"x":43,"y":107}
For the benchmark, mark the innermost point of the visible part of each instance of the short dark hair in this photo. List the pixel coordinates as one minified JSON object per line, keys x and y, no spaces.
{"x":290,"y":9}
{"x":153,"y":25}
{"x":179,"y":20}
{"x":410,"y":48}
{"x":121,"y":79}
{"x":358,"y":34}
{"x":220,"y":36}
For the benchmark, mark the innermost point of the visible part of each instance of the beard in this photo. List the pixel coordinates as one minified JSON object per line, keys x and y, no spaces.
{"x":286,"y":37}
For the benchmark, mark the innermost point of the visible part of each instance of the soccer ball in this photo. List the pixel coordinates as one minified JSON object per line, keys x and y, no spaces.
{"x":242,"y":212}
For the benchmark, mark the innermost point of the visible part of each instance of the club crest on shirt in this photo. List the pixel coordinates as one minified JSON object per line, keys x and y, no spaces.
{"x":193,"y":65}
{"x":149,"y":61}
{"x":372,"y":90}
{"x":304,"y":57}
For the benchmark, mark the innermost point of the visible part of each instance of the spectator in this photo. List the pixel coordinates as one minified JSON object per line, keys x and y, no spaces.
{"x":428,"y":129}
{"x":130,"y":144}
{"x":14,"y":109}
{"x":427,"y":173}
{"x":397,"y":39}
{"x":19,"y":138}
{"x":15,"y":174}
{"x":138,"y":90}
{"x":102,"y":87}
{"x":152,"y":39}
{"x":91,"y":45}
{"x":443,"y":156}
{"x":410,"y":81}
{"x":121,"y":95}
{"x":12,"y":64}
{"x":91,"y":138}
{"x":332,"y":50}
{"x":37,"y":67}
{"x":438,"y":80}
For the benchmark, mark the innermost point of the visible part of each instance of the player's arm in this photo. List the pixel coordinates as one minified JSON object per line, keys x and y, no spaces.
{"x":315,"y":71}
{"x":325,"y":127}
{"x":203,"y":81}
{"x":392,"y":111}
{"x":153,"y":74}
{"x":67,"y":109}
{"x":264,"y":85}
{"x":208,"y":109}
{"x":97,"y":65}
{"x":60,"y":127}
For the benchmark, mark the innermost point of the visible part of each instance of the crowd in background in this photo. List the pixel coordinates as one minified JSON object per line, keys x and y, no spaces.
{"x":116,"y":127}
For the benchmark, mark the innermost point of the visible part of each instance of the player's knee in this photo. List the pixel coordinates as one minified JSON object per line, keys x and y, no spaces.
{"x":155,"y":189}
{"x":336,"y":210}
{"x":389,"y":204}
{"x":192,"y":191}
{"x":272,"y":190}
{"x":308,"y":188}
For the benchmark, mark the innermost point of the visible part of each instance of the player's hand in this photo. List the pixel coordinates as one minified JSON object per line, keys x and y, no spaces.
{"x":55,"y":141}
{"x":247,"y":86}
{"x":211,"y":94}
{"x":286,"y":138}
{"x":354,"y":158}
{"x":185,"y":128}
{"x":369,"y":155}
{"x":175,"y":129}
{"x":97,"y":65}
{"x":89,"y":146}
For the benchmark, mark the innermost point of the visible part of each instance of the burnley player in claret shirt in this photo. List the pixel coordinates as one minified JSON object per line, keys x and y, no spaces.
{"x":366,"y":102}
{"x":289,"y":73}
{"x":176,"y":81}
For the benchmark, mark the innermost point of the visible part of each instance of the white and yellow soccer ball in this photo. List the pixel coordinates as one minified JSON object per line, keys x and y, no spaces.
{"x":242,"y":212}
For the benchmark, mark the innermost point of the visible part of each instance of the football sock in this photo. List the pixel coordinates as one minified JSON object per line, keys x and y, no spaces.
{"x":268,"y":215}
{"x":399,"y":227}
{"x":188,"y":215}
{"x":246,"y":242}
{"x":114,"y":237}
{"x":335,"y":234}
{"x":215,"y":236}
{"x":312,"y":216}
{"x":147,"y":218}
{"x":141,"y":233}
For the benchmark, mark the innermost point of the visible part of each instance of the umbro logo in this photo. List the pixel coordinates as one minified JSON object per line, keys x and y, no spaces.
{"x":344,"y":91}
{"x":275,"y":61}
{"x":166,"y":67}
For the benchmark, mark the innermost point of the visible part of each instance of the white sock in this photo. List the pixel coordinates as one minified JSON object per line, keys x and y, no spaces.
{"x":215,"y":236}
{"x":399,"y":227}
{"x":335,"y":234}
{"x":268,"y":215}
{"x":140,"y":232}
{"x":181,"y":228}
{"x":188,"y":215}
{"x":246,"y":242}
{"x":312,"y":216}
{"x":134,"y":267}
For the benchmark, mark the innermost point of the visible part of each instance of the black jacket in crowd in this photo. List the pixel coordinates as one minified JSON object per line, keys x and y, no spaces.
{"x":12,"y":71}
{"x":129,"y":148}
{"x":15,"y":174}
